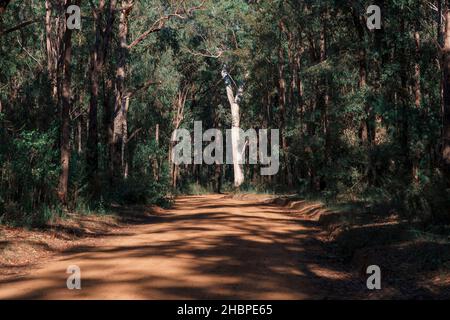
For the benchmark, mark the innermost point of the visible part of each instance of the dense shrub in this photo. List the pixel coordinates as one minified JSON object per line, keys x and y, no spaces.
{"x":28,"y":177}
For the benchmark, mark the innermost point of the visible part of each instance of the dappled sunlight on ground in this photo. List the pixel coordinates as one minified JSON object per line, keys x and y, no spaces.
{"x":205,"y":247}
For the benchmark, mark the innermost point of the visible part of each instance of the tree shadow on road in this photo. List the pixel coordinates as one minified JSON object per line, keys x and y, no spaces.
{"x":257,"y":254}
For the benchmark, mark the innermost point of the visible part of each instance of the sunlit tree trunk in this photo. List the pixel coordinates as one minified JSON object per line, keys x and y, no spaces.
{"x":235,"y":120}
{"x":52,"y":41}
{"x":179,"y":104}
{"x":156,"y":159}
{"x":122,"y":101}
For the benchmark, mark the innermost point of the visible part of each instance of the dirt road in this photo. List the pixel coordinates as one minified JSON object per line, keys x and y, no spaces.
{"x":205,"y":247}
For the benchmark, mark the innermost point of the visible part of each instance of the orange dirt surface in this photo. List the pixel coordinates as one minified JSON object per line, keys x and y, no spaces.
{"x":205,"y":247}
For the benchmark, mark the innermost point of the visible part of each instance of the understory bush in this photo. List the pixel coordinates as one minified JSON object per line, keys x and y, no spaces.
{"x":28,"y":178}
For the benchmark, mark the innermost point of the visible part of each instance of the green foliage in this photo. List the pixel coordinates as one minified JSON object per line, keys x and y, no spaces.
{"x":142,"y":187}
{"x":28,"y":177}
{"x":326,"y":106}
{"x":428,"y":202}
{"x":196,"y":189}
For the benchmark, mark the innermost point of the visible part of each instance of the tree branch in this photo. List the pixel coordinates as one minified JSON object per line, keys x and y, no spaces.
{"x":134,"y":134}
{"x":19,"y":26}
{"x":159,"y":24}
{"x":146,"y":85}
{"x":207,"y":53}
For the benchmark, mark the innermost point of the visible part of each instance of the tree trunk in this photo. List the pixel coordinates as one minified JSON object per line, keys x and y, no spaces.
{"x":108,"y":92}
{"x":79,"y":135}
{"x":179,"y":104}
{"x":362,"y":82}
{"x":325,"y":99}
{"x":417,"y":101}
{"x":156,"y":160}
{"x":108,"y":105}
{"x":235,"y":120}
{"x":96,"y":67}
{"x":367,"y":129}
{"x":52,"y":29}
{"x":121,"y":102}
{"x":403,"y":124}
{"x":446,"y":106}
{"x":65,"y":116}
{"x":299,"y":85}
{"x":172,"y":166}
{"x":124,"y":146}
{"x":282,"y":106}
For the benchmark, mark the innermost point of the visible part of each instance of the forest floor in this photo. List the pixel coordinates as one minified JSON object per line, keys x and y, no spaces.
{"x":222,"y":247}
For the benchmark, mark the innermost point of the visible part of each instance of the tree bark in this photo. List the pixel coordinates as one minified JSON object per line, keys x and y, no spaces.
{"x":403,"y":124}
{"x":96,"y":68}
{"x":65,"y":115}
{"x":325,"y":98}
{"x":235,"y":119}
{"x":121,"y":102}
{"x":99,"y":52}
{"x":417,"y":101}
{"x":52,"y":47}
{"x":367,"y":129}
{"x":362,"y":82}
{"x":108,"y":92}
{"x":446,"y":106}
{"x":156,"y":159}
{"x":282,"y":106}
{"x":179,"y":104}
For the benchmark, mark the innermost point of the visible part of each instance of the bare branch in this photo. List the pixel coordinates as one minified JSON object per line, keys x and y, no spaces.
{"x":29,"y":54}
{"x":145,"y":86}
{"x":206,"y":54}
{"x":124,"y":8}
{"x":159,"y":24}
{"x":134,"y":134}
{"x":19,"y":26}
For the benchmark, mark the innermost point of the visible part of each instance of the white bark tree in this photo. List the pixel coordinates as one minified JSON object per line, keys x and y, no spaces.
{"x":234,"y":101}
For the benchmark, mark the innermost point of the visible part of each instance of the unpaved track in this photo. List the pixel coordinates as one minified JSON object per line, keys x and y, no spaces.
{"x":205,"y":247}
